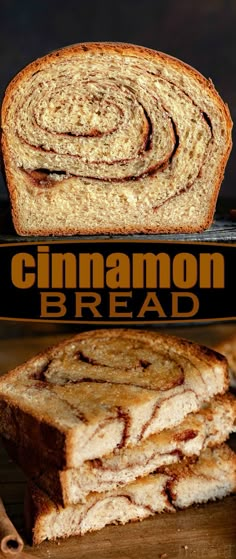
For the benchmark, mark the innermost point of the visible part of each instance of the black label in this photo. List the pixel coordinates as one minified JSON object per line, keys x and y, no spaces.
{"x":102,"y":282}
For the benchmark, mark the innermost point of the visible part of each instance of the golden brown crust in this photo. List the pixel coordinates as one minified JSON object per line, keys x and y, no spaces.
{"x":167,"y":341}
{"x":212,"y":476}
{"x":123,"y":390}
{"x":201,"y":429}
{"x":122,"y":49}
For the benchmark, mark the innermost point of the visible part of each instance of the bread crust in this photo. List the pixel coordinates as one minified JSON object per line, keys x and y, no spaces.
{"x":212,"y":477}
{"x":122,"y":49}
{"x":55,"y":437}
{"x":209,"y":427}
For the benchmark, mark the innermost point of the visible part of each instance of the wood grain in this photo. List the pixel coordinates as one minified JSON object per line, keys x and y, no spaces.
{"x":206,"y":531}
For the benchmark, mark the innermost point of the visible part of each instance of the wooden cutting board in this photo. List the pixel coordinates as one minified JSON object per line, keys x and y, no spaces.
{"x":206,"y":531}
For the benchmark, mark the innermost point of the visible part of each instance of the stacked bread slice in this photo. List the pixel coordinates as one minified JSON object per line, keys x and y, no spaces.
{"x":115,"y":425}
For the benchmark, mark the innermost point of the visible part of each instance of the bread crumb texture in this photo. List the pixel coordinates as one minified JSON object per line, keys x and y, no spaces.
{"x":113,"y":138}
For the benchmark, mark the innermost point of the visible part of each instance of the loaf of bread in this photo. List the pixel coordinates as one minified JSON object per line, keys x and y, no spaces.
{"x":106,"y":389}
{"x":113,"y":138}
{"x":208,"y":428}
{"x":213,"y":476}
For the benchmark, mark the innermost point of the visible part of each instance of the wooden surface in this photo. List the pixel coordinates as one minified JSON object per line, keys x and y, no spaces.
{"x":207,"y":531}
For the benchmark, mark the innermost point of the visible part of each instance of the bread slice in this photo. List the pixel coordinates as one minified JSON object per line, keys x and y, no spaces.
{"x":106,"y":389}
{"x":209,"y":427}
{"x":113,"y":138}
{"x":228,"y":348}
{"x":179,"y":486}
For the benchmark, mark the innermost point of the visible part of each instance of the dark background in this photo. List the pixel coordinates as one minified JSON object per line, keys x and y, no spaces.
{"x":200,"y":32}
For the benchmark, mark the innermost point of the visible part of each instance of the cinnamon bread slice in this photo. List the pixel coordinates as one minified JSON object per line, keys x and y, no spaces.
{"x":207,"y":428}
{"x":106,"y":389}
{"x":212,"y":477}
{"x":113,"y":138}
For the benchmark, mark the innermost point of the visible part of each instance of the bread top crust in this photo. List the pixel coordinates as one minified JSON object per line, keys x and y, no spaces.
{"x":154,"y":339}
{"x":99,"y":374}
{"x":33,"y":192}
{"x":124,"y":49}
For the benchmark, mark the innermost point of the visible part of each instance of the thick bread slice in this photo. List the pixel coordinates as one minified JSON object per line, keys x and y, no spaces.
{"x":213,"y":476}
{"x":209,"y":427}
{"x":113,"y":138}
{"x":106,"y":389}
